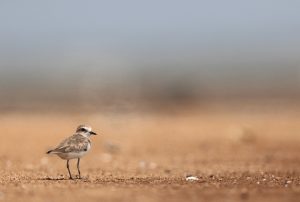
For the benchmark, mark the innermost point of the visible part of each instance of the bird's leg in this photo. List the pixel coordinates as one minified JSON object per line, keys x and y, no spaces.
{"x":78,"y":161}
{"x":69,"y":169}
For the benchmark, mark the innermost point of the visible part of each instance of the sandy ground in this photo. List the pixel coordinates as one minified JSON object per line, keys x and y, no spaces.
{"x":241,"y":154}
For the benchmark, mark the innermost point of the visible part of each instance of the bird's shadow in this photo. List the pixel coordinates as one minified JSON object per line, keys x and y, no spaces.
{"x":53,"y":178}
{"x":58,"y":179}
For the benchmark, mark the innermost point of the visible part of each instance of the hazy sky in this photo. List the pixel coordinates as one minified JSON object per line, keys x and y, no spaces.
{"x":214,"y":42}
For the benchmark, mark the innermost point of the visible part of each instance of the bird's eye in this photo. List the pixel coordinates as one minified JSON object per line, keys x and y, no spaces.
{"x":83,"y":130}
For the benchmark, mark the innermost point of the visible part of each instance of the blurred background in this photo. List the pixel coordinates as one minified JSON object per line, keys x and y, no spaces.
{"x":119,"y":56}
{"x":147,"y":74}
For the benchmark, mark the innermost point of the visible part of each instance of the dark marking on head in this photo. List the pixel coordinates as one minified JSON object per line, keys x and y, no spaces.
{"x":82,"y":130}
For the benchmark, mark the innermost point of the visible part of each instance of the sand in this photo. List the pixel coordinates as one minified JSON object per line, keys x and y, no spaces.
{"x":235,"y":154}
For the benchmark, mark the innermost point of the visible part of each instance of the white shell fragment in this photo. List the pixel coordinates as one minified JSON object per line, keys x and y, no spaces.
{"x":191,"y":178}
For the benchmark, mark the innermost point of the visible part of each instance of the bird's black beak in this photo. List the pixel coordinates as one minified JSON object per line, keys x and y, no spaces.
{"x":93,"y":133}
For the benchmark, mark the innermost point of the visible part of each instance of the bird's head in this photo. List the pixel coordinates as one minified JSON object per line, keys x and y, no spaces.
{"x":85,"y":130}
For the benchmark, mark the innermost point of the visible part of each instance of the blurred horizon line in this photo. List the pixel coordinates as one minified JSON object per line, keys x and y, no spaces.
{"x":156,"y":106}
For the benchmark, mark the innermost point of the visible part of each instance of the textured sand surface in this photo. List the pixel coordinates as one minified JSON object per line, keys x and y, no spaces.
{"x":237,"y":155}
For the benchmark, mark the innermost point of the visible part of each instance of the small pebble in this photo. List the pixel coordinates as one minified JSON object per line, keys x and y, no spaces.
{"x":191,"y":178}
{"x":167,"y":171}
{"x":244,"y":193}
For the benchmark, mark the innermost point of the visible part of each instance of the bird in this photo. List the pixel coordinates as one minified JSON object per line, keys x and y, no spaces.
{"x":75,"y":146}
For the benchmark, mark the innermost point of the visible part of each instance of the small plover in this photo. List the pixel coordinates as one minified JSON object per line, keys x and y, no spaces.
{"x":75,"y":146}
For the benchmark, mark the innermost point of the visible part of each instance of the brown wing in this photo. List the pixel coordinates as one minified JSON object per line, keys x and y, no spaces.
{"x":75,"y":143}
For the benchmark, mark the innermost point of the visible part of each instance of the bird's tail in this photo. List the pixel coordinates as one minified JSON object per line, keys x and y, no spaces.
{"x":49,"y":152}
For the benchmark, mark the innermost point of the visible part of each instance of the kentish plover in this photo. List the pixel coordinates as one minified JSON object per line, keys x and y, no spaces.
{"x":75,"y":146}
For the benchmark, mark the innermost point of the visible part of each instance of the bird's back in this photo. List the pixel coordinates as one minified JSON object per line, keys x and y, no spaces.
{"x":75,"y":143}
